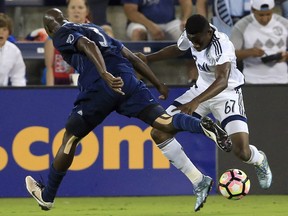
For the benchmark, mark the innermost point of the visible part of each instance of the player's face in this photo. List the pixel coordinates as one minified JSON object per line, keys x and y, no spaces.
{"x":77,"y":11}
{"x":4,"y":34}
{"x":263,"y":17}
{"x":200,"y":40}
{"x":52,"y":21}
{"x":50,"y":25}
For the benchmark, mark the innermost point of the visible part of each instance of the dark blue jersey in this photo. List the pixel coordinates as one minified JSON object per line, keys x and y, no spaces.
{"x":65,"y":40}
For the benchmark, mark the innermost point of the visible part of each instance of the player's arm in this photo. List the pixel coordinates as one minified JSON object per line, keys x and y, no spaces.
{"x":91,"y":50}
{"x":168,"y":52}
{"x":222,"y":73}
{"x":221,"y":82}
{"x":144,"y":70}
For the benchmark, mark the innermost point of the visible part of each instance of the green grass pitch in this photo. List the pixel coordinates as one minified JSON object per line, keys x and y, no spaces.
{"x":216,"y":205}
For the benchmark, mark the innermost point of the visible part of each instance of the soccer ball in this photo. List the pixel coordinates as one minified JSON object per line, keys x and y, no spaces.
{"x":234,"y":184}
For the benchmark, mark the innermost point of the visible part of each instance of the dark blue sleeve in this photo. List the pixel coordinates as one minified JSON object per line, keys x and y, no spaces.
{"x":66,"y":38}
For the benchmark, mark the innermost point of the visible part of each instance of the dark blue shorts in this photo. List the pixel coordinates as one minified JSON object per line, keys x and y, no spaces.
{"x":94,"y":106}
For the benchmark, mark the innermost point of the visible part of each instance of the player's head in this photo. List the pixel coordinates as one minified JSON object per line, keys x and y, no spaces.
{"x":263,"y":10}
{"x":198,"y":31}
{"x":53,"y":20}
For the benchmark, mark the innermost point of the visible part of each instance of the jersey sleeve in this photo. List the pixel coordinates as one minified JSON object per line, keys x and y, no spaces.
{"x":183,"y":42}
{"x":225,"y":52}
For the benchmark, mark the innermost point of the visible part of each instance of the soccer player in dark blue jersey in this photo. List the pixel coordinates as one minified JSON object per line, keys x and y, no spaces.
{"x":107,"y":83}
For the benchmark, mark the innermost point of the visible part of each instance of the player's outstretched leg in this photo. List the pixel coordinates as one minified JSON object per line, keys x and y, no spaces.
{"x":264,"y":173}
{"x":202,"y":191}
{"x":216,"y":133}
{"x":35,"y":189}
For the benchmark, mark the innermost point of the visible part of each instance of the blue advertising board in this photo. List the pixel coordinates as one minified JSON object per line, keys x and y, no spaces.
{"x":117,"y":159}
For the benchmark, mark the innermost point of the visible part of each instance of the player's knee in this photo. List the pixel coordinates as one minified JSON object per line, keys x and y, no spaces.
{"x":70,"y":143}
{"x":155,"y":134}
{"x":159,"y":136}
{"x":77,"y":126}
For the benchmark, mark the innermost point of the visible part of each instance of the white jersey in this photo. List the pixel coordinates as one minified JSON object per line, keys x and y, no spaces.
{"x":227,"y":106}
{"x":12,"y":65}
{"x":272,"y":38}
{"x":219,"y":51}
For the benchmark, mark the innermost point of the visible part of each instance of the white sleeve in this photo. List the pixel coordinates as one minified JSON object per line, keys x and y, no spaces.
{"x":17,"y":73}
{"x":227,"y":54}
{"x":183,"y":42}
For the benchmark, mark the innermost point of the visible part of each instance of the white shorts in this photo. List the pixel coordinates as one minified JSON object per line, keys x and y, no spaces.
{"x":227,"y":107}
{"x":172,"y":29}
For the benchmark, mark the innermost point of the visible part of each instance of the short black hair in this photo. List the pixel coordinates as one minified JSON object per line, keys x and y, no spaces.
{"x":196,"y":24}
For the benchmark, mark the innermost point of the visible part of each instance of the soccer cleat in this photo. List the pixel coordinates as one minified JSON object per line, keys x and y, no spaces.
{"x":201,"y":191}
{"x":35,"y":189}
{"x":216,"y":133}
{"x":264,"y":173}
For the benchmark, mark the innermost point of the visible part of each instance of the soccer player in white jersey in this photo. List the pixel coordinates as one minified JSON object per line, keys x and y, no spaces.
{"x":261,"y":34}
{"x":217,"y":91}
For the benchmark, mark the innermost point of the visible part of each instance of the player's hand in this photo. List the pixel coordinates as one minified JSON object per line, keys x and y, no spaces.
{"x":163,"y":90}
{"x":115,"y":83}
{"x":187,"y":108}
{"x":142,"y":57}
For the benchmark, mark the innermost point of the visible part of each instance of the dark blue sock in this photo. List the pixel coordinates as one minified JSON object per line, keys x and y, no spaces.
{"x":54,"y":181}
{"x":186,"y":122}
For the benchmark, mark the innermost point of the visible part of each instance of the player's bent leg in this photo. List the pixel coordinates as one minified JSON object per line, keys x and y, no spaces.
{"x":174,"y":152}
{"x":45,"y":195}
{"x":160,"y":136}
{"x":76,"y":129}
{"x":183,"y":122}
{"x":66,"y":152}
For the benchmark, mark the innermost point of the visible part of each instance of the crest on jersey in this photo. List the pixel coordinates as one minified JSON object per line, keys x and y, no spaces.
{"x":70,"y":39}
{"x":218,"y":57}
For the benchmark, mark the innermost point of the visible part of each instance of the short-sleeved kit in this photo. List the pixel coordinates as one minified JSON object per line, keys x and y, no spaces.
{"x":227,"y":106}
{"x":96,"y":100}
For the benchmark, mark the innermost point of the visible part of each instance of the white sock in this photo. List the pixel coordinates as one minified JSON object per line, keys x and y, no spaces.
{"x":256,"y":158}
{"x":173,"y":151}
